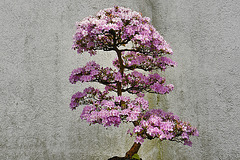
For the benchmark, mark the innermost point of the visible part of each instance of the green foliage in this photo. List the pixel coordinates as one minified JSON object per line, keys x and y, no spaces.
{"x":136,"y":156}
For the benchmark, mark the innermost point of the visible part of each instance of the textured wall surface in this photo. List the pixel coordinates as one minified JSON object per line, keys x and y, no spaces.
{"x":206,"y":39}
{"x":36,"y":60}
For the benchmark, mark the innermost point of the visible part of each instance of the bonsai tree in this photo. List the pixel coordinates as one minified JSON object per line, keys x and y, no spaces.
{"x":115,"y":29}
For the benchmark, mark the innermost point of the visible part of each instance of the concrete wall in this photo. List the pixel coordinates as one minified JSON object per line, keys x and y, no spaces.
{"x":36,"y":61}
{"x":206,"y":38}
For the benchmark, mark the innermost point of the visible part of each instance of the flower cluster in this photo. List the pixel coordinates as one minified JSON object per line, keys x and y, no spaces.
{"x":116,"y":27}
{"x":163,"y":125}
{"x":85,"y":74}
{"x":134,"y":82}
{"x":150,"y":124}
{"x":137,"y":60}
{"x":112,"y":112}
{"x":89,"y":95}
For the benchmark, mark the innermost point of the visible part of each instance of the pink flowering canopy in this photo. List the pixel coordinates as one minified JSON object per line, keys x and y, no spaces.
{"x":115,"y":29}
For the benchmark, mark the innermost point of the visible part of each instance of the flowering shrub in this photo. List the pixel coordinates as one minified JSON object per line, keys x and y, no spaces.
{"x":109,"y":30}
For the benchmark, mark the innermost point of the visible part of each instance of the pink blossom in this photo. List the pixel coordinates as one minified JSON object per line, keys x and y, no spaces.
{"x":169,"y":136}
{"x":152,"y":131}
{"x":188,"y":142}
{"x":139,"y":139}
{"x":137,"y":129}
{"x":129,"y":132}
{"x":144,"y":123}
{"x":132,"y":117}
{"x":108,"y":104}
{"x":125,"y":112}
{"x":167,"y":126}
{"x":114,"y":113}
{"x":185,"y":135}
{"x":118,"y":77}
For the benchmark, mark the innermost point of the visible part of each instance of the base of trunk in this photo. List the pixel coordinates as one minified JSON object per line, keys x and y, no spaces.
{"x":121,"y":158}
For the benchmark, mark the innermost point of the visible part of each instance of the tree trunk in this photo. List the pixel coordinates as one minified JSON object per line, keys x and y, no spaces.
{"x":134,"y":149}
{"x":119,"y":84}
{"x":121,"y":158}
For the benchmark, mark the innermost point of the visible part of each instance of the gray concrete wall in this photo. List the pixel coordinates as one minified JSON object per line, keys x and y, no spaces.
{"x":36,"y":61}
{"x":206,"y":38}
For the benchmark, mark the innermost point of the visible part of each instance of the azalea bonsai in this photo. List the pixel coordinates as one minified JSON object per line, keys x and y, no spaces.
{"x":135,"y":72}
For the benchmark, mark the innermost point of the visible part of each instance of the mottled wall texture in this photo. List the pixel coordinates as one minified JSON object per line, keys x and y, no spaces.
{"x":36,"y":61}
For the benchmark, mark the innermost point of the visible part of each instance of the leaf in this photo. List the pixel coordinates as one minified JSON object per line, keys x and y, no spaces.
{"x":136,"y":156}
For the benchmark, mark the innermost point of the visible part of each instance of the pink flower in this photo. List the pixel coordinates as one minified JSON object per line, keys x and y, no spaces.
{"x":132,"y":117}
{"x":185,"y":135}
{"x":137,"y":129}
{"x":167,"y":126}
{"x":144,"y":123}
{"x":108,"y":104}
{"x":129,"y":132}
{"x":195,"y":132}
{"x":139,"y":139}
{"x":169,"y":136}
{"x":94,"y":72}
{"x":170,"y":86}
{"x":154,"y":120}
{"x":114,"y":113}
{"x":188,"y":142}
{"x":125,"y":112}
